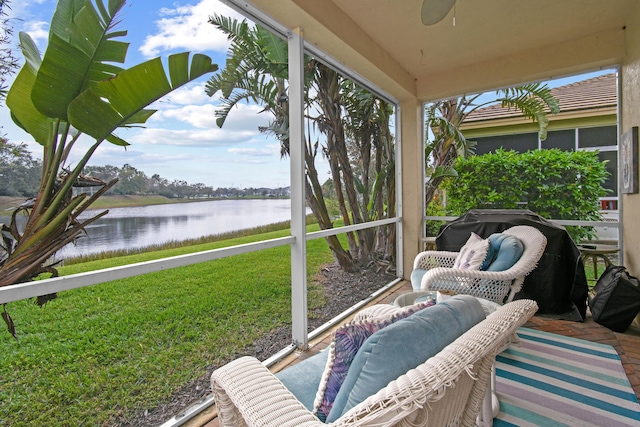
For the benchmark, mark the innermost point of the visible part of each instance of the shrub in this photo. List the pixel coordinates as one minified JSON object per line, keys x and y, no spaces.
{"x":554,"y":184}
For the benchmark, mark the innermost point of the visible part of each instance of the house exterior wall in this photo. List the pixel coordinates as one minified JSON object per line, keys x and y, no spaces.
{"x":630,"y":116}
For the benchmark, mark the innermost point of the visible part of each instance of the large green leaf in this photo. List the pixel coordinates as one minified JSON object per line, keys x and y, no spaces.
{"x":23,"y":112}
{"x":80,"y":43}
{"x":63,"y":16}
{"x":274,"y":48}
{"x":118,"y":102}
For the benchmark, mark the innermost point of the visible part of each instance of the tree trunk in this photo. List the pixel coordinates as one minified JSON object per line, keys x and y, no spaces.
{"x":315,"y":200}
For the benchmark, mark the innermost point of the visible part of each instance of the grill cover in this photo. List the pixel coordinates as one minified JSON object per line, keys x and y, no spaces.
{"x":558,"y":284}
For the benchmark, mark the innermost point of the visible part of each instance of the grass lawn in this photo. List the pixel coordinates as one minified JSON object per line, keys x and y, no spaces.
{"x":96,"y":354}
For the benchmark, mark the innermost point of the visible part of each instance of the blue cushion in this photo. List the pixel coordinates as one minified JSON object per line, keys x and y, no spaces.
{"x":303,"y":379}
{"x":402,"y":346}
{"x":347,"y":341}
{"x":416,"y":278}
{"x":504,"y":251}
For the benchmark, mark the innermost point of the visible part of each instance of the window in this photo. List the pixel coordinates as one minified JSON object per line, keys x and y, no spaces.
{"x":565,"y":140}
{"x":598,"y":137}
{"x":518,"y":142}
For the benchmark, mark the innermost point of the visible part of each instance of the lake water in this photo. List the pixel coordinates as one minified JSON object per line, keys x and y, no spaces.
{"x":137,"y":227}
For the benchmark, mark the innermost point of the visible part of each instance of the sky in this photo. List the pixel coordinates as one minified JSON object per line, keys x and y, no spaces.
{"x":181,"y":141}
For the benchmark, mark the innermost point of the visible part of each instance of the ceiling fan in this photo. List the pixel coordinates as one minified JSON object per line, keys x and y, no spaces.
{"x":434,"y":11}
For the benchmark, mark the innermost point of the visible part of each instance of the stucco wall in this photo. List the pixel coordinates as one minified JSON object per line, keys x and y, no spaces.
{"x":412,"y":182}
{"x":630,"y":93}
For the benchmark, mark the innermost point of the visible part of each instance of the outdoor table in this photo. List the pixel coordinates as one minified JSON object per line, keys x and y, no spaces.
{"x":595,"y":252}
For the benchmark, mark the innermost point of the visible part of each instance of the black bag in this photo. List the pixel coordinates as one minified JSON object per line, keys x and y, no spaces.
{"x":615,"y":299}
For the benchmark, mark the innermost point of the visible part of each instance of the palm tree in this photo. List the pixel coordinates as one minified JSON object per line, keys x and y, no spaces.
{"x":444,"y":118}
{"x":75,"y":89}
{"x":257,"y":70}
{"x":367,"y":128}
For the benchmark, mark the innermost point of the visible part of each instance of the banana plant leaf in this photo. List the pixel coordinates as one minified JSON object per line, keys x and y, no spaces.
{"x":120,"y":101}
{"x":23,"y":111}
{"x":80,"y":54}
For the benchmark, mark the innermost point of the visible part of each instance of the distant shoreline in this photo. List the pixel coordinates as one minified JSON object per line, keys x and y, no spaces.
{"x":7,"y":204}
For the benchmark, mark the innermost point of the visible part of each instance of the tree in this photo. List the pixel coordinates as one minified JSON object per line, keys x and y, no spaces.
{"x":131,"y":181}
{"x":256,"y":70}
{"x":76,"y":88}
{"x":443,"y":120}
{"x":8,"y":62}
{"x":19,"y":171}
{"x":367,"y":131}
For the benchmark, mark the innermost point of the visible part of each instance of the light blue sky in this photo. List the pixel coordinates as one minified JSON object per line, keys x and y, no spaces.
{"x":181,"y":141}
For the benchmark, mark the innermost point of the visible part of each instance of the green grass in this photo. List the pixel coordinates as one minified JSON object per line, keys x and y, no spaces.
{"x":97,"y":354}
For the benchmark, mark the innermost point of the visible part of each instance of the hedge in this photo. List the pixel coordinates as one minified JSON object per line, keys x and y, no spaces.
{"x":554,"y":184}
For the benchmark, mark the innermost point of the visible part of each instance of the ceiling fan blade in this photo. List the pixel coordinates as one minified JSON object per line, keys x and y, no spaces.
{"x":434,"y":11}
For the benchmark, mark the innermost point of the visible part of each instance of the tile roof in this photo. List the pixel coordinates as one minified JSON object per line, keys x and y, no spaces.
{"x":594,"y":93}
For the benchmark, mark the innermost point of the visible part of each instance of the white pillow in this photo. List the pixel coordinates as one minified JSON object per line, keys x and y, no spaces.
{"x":472,"y":254}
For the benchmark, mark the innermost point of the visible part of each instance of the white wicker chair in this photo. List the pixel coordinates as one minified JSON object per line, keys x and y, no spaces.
{"x":497,"y":286}
{"x":446,"y":390}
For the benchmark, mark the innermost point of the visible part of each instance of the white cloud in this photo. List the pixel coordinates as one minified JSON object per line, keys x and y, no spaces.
{"x":188,"y":94}
{"x":242,"y":118}
{"x":22,"y":8}
{"x":187,"y":27}
{"x":39,"y":32}
{"x":190,"y":138}
{"x":268,"y":151}
{"x":200,"y":116}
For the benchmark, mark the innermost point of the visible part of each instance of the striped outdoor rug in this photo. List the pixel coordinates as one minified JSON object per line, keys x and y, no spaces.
{"x":552,"y":380}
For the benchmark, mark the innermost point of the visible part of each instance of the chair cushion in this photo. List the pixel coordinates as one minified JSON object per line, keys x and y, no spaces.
{"x":416,"y":278}
{"x":472,"y":254}
{"x":303,"y":379}
{"x":347,"y":341}
{"x":402,"y":346}
{"x":504,"y":251}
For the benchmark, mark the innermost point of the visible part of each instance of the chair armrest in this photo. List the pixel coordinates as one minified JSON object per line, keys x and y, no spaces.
{"x":375,"y":311}
{"x":492,"y":285}
{"x":247,"y":394}
{"x":432,"y":259}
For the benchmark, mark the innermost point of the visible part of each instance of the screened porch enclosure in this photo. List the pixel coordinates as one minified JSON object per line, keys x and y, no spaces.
{"x":381,"y":47}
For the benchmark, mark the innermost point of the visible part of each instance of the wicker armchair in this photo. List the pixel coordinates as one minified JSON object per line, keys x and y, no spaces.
{"x":447,"y":389}
{"x":496,"y":286}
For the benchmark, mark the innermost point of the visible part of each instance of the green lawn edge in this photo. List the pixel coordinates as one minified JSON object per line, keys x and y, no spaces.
{"x":98,"y":354}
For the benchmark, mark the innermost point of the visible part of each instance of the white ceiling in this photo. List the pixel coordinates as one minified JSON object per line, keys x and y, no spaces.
{"x":484,"y":29}
{"x":494,"y":43}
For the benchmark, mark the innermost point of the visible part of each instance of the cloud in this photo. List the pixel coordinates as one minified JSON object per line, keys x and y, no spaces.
{"x":39,"y":32}
{"x":268,"y":151}
{"x":22,"y":9}
{"x":188,"y":94}
{"x":190,"y":138}
{"x":242,"y":118}
{"x":200,"y":116}
{"x":186,"y":27}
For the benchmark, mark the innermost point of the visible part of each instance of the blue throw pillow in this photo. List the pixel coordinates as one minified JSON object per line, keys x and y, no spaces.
{"x":504,"y":251}
{"x":347,"y":341}
{"x":402,"y":346}
{"x":303,"y":379}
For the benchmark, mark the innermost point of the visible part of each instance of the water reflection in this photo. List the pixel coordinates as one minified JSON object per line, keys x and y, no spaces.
{"x":150,"y":225}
